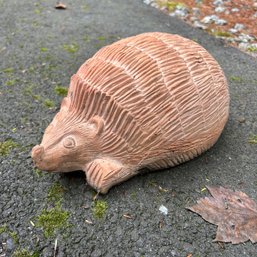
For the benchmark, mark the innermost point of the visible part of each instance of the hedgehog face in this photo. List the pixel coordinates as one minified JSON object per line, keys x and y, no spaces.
{"x":68,"y":147}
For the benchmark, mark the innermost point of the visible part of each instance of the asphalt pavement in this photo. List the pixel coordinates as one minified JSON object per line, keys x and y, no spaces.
{"x":44,"y":214}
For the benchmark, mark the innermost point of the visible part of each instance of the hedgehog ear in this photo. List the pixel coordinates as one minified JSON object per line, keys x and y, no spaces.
{"x":97,"y":123}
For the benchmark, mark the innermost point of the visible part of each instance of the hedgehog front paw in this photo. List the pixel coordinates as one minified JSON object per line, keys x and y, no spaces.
{"x":102,"y":174}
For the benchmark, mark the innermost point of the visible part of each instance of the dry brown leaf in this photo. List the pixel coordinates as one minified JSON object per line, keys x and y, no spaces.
{"x":234,"y":213}
{"x":60,"y":5}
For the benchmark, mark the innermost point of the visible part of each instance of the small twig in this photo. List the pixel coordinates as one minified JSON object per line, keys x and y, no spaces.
{"x":127,"y":216}
{"x":55,"y":247}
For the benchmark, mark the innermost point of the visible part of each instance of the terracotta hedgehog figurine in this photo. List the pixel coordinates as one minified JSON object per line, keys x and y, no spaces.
{"x":153,"y":101}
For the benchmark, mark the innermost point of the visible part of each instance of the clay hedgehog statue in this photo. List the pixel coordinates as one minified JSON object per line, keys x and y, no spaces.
{"x":152,"y":101}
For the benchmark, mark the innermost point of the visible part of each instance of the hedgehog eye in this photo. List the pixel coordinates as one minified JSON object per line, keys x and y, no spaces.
{"x":69,"y":142}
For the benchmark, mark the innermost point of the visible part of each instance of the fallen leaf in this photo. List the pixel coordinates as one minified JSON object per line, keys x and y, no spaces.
{"x":60,"y":5}
{"x":234,"y":213}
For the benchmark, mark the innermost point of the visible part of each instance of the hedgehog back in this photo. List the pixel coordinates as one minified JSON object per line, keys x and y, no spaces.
{"x":156,"y":92}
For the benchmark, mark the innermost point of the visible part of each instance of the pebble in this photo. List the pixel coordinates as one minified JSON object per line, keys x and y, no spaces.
{"x":10,"y":244}
{"x":241,"y":119}
{"x":221,"y":22}
{"x":244,"y":38}
{"x":181,"y":11}
{"x":234,"y":10}
{"x":218,"y":2}
{"x":243,"y":46}
{"x":174,"y":253}
{"x":233,"y":31}
{"x":147,"y":1}
{"x":239,"y":26}
{"x":213,"y":18}
{"x":209,"y":19}
{"x":199,"y":25}
{"x":196,"y":11}
{"x":220,"y":9}
{"x":244,"y":41}
{"x":163,"y":210}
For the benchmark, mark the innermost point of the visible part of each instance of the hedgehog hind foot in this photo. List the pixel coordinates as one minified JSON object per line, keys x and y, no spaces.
{"x":102,"y":174}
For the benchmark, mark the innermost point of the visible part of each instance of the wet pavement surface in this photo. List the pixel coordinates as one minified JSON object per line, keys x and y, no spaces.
{"x":44,"y":214}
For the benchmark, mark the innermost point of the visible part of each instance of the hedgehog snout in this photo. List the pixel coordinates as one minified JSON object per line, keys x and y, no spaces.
{"x":37,"y":154}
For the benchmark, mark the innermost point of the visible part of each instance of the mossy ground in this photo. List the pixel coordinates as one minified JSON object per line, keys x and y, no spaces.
{"x":25,"y":253}
{"x":170,"y":5}
{"x":52,"y":219}
{"x":99,"y":209}
{"x":12,"y":234}
{"x":71,"y":48}
{"x":221,"y":33}
{"x":48,"y":103}
{"x":55,"y":193}
{"x":7,"y":146}
{"x":236,"y":78}
{"x":61,"y":91}
{"x":253,"y":139}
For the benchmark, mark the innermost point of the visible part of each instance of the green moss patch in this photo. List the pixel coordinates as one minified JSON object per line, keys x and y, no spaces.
{"x":99,"y":209}
{"x":252,"y":49}
{"x":12,"y":234}
{"x":61,"y":91}
{"x":8,"y":70}
{"x":170,"y":5}
{"x":3,"y":229}
{"x":86,"y":38}
{"x":253,"y":139}
{"x":11,"y":82}
{"x":7,"y":146}
{"x":71,"y":48}
{"x":38,"y":172}
{"x":25,"y":253}
{"x":236,"y":79}
{"x":43,"y":49}
{"x":48,"y":103}
{"x":221,"y":33}
{"x":52,"y":220}
{"x":55,"y":193}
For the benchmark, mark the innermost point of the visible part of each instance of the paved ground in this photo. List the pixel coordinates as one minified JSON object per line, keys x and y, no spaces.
{"x":40,"y":48}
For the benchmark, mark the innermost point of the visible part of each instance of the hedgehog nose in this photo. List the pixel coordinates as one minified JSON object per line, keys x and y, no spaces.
{"x":37,"y":153}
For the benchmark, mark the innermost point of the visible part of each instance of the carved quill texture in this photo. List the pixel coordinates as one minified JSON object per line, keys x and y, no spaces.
{"x":155,"y":100}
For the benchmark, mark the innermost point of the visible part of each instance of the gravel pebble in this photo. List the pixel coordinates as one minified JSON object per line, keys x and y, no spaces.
{"x":234,"y":10}
{"x":196,"y":11}
{"x":202,"y":19}
{"x":220,"y":9}
{"x":218,"y":2}
{"x":209,"y":19}
{"x":199,"y":25}
{"x":239,"y":26}
{"x":221,"y":22}
{"x":233,"y":31}
{"x":10,"y":244}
